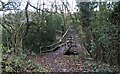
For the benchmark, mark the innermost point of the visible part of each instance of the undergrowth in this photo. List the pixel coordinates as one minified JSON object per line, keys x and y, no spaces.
{"x":15,"y":63}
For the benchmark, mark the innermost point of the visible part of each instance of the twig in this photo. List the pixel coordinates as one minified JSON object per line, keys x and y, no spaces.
{"x":41,"y":9}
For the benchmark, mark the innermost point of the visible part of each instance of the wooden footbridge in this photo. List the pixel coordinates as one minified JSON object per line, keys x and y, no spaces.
{"x":68,"y":44}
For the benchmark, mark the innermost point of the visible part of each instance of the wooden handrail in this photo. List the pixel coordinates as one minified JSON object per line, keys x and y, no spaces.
{"x":57,"y":44}
{"x":53,"y":48}
{"x":60,"y":40}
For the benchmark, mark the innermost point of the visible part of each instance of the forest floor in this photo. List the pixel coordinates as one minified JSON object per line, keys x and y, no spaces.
{"x":60,"y":64}
{"x":71,"y":63}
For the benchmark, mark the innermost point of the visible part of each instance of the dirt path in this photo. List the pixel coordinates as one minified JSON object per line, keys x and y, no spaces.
{"x":62,"y":63}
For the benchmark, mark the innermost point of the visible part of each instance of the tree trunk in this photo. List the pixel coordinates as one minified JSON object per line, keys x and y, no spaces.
{"x":87,"y":39}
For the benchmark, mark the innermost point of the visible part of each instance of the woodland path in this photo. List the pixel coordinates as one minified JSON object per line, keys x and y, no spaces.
{"x":58,"y":62}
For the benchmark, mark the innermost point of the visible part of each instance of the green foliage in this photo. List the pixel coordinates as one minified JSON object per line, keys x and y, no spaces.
{"x":103,"y":37}
{"x":13,"y":63}
{"x":89,"y":66}
{"x":85,"y":13}
{"x":105,"y":34}
{"x":43,"y":32}
{"x":101,"y":26}
{"x":5,"y":37}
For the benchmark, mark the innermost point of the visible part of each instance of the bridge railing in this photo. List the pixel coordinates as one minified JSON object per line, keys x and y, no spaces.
{"x":57,"y":45}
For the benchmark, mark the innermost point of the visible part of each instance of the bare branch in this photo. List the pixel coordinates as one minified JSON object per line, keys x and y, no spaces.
{"x":42,"y":10}
{"x":6,"y":28}
{"x":27,"y":19}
